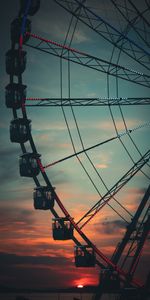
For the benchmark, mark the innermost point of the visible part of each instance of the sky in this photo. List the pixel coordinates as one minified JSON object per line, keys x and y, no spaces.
{"x":29,"y":257}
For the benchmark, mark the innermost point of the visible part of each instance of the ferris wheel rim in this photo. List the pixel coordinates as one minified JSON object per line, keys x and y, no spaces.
{"x":48,"y":183}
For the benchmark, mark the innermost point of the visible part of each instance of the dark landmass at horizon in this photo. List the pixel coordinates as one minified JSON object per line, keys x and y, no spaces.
{"x":86,"y":289}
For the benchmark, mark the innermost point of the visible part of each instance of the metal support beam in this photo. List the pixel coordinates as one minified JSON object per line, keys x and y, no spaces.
{"x":107,"y":31}
{"x":140,"y":245}
{"x":131,"y":227}
{"x":87,"y":60}
{"x":133,"y":24}
{"x":86,"y":101}
{"x":114,"y":190}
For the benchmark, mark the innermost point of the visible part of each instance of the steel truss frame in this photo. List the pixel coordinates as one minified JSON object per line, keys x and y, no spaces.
{"x":114,"y":70}
{"x":107,"y":31}
{"x":87,"y":60}
{"x":56,"y":102}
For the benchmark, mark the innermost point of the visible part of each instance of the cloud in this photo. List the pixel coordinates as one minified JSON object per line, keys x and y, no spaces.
{"x":101,"y":166}
{"x":31,"y":271}
{"x":113,"y":226}
{"x":133,"y":197}
{"x":108,"y":125}
{"x":47,"y":25}
{"x":8,"y":165}
{"x":13,"y":259}
{"x":16,"y":221}
{"x":3,"y":125}
{"x":41,"y":272}
{"x":137,"y":191}
{"x":81,"y":36}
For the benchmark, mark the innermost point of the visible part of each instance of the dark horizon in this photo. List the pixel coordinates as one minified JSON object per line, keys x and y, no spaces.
{"x":69,"y":290}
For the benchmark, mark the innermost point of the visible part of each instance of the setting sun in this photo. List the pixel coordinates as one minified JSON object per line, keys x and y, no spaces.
{"x":80,"y":286}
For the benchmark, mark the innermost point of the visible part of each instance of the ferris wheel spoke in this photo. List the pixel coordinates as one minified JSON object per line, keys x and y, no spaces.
{"x":142,"y":238}
{"x":115,"y":189}
{"x":118,"y":136}
{"x":132,"y":23}
{"x":57,"y":102}
{"x":131,"y":229}
{"x":107,"y":31}
{"x":122,"y":143}
{"x":138,"y":238}
{"x":90,"y":61}
{"x":139,"y":13}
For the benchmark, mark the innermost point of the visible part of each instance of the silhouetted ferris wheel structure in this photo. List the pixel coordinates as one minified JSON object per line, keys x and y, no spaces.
{"x":131,"y":39}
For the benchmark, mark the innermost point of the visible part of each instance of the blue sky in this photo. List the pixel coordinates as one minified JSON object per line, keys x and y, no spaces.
{"x":26,"y":233}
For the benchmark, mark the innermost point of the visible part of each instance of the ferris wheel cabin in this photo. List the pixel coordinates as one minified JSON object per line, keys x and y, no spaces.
{"x":28,"y":164}
{"x":15,"y":62}
{"x":43,"y":198}
{"x":20,"y":129}
{"x":34,"y":6}
{"x":15,"y":95}
{"x":84,"y":256}
{"x":62,"y":229}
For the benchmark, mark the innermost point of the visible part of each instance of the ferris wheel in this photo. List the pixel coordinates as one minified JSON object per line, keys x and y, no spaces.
{"x":99,"y":107}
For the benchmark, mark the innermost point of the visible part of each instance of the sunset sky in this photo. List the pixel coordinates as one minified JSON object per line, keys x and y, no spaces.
{"x":29,"y":257}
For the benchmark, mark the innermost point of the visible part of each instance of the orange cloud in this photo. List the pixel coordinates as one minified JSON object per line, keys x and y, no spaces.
{"x":108,"y":125}
{"x":101,"y":166}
